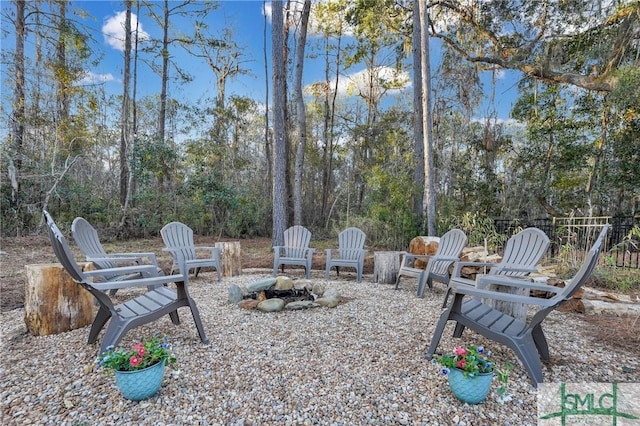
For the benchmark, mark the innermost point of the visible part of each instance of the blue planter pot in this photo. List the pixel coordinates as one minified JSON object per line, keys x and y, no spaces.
{"x":141,"y":384}
{"x":471,"y":390}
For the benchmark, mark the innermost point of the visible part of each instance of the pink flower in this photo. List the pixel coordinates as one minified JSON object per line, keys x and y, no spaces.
{"x":135,"y":361}
{"x":460,"y":351}
{"x":139,"y":347}
{"x":461,"y":364}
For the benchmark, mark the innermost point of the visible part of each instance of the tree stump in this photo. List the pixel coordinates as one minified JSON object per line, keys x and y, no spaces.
{"x":231,"y":261}
{"x":53,"y":302}
{"x":516,"y":310}
{"x":386,"y":265}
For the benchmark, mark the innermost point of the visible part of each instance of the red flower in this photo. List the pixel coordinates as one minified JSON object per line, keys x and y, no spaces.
{"x":135,"y":361}
{"x":461,"y":364}
{"x":460,"y":351}
{"x":139,"y":347}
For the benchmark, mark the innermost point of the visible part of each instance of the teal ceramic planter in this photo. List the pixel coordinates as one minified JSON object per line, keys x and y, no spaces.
{"x":140,"y":384}
{"x":471,"y":390}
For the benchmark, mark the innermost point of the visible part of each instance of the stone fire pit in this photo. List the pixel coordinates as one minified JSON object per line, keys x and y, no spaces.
{"x":281,"y":293}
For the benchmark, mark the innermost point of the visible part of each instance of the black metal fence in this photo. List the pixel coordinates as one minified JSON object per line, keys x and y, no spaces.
{"x":578,"y":234}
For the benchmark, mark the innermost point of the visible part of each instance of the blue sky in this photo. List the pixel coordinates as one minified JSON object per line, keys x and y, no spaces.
{"x":246,"y":19}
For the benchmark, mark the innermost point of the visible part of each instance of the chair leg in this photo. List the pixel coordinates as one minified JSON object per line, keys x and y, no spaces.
{"x":528,"y":354}
{"x":327,"y":269}
{"x":457,"y":332}
{"x":219,"y":274}
{"x":98,"y":323}
{"x":197,"y":272}
{"x":541,"y":342}
{"x":174,"y":317}
{"x":437,"y":333}
{"x":421,"y":283}
{"x":398,"y":280}
{"x":115,"y":331}
{"x":196,"y":318}
{"x":446,"y":296}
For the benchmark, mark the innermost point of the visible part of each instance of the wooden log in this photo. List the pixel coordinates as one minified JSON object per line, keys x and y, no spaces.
{"x":231,"y":260}
{"x":424,"y":246}
{"x":516,"y":310}
{"x":386,"y":265}
{"x":53,"y":302}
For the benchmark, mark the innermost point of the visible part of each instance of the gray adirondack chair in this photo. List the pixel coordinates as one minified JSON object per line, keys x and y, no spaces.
{"x":87,"y":240}
{"x":522,"y":253}
{"x":295,"y":250}
{"x":448,"y":252}
{"x":157,"y":301}
{"x":525,"y":338}
{"x":350,"y":253}
{"x":178,"y":239}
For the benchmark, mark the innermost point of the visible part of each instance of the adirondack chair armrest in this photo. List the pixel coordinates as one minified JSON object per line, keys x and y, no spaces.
{"x":125,"y":257}
{"x":151,"y":256}
{"x":459,"y":265}
{"x":465,"y":290}
{"x":278,"y":249}
{"x":517,"y":268}
{"x":310,"y":252}
{"x":141,"y":282}
{"x":151,"y":270}
{"x":114,"y":259}
{"x":215,"y":251}
{"x":524,"y":282}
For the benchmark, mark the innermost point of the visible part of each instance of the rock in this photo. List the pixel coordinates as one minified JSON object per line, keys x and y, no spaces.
{"x":331,"y":292}
{"x":318,"y":289}
{"x":328,"y":301}
{"x":271,"y":305}
{"x":235,"y":294}
{"x":260,"y":285}
{"x":301,"y":304}
{"x":248,"y":304}
{"x":283,"y":283}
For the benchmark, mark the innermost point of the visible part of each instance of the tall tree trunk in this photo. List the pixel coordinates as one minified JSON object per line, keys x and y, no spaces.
{"x":429,"y":200}
{"x":62,"y":90}
{"x":418,"y":135}
{"x":134,"y":106}
{"x":165,"y":71}
{"x":280,"y":152}
{"x":267,"y":134}
{"x":329,"y":124}
{"x":124,"y":120}
{"x":18,"y":113}
{"x":301,"y":116}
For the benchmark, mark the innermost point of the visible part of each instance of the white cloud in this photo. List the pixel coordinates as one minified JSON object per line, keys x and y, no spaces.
{"x":90,"y":77}
{"x":113,"y":30}
{"x":385,"y":80}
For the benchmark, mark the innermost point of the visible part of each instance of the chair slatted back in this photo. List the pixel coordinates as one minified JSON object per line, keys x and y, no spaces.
{"x":296,"y":241}
{"x":350,"y":242}
{"x":178,"y":236}
{"x":450,"y":245}
{"x":525,"y":249}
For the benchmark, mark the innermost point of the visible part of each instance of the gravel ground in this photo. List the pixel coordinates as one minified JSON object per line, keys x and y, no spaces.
{"x":357,"y":364}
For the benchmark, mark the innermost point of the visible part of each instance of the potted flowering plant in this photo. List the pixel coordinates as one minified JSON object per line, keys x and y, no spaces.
{"x":140,"y":369}
{"x":470,"y":372}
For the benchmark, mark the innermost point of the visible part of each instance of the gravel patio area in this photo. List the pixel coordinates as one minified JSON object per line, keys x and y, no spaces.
{"x":361,"y":363}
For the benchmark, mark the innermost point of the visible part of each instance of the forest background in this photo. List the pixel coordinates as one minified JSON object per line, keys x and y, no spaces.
{"x":353,"y":154}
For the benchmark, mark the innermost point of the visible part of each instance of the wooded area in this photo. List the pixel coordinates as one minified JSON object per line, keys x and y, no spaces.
{"x":307,"y":153}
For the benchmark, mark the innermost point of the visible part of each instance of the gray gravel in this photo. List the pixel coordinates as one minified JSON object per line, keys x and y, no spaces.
{"x":360,"y":363}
